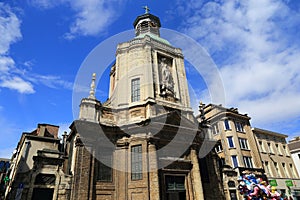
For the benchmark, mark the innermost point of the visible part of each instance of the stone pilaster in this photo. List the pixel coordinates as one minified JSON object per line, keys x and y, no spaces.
{"x":81,"y":181}
{"x":153,"y":173}
{"x":121,"y":163}
{"x":196,"y":177}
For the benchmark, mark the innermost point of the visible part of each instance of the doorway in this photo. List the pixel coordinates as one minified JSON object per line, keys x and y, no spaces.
{"x":42,"y":193}
{"x":175,"y":187}
{"x":232,"y":194}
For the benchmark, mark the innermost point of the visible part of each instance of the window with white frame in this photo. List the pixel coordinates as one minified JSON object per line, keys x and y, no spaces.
{"x":277,"y":169}
{"x":292,"y":170}
{"x":239,"y":126}
{"x":284,"y":170}
{"x":215,"y":129}
{"x":230,"y":142}
{"x":234,"y":161}
{"x":135,"y":89}
{"x":270,"y":147}
{"x":243,"y":143}
{"x":287,"y":153}
{"x":248,"y":162}
{"x":261,"y":146}
{"x":226,"y":124}
{"x":267,"y":167}
{"x":278,"y":149}
{"x":218,"y":148}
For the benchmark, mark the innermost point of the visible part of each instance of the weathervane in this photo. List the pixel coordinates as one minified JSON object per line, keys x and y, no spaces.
{"x":147,"y":9}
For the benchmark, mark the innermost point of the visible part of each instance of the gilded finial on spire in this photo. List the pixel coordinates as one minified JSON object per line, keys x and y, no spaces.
{"x":147,"y":9}
{"x":92,"y":90}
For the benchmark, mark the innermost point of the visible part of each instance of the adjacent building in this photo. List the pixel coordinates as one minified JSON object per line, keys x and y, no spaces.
{"x":36,"y":167}
{"x":294,"y":147}
{"x":277,"y":161}
{"x":4,"y":167}
{"x":236,"y":146}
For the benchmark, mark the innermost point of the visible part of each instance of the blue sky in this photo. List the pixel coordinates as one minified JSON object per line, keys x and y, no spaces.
{"x":255,"y":44}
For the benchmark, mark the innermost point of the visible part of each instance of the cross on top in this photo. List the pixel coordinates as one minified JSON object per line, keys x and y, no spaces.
{"x":147,"y":9}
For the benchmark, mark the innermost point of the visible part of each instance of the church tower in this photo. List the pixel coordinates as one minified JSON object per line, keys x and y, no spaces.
{"x":148,"y":77}
{"x":143,"y":142}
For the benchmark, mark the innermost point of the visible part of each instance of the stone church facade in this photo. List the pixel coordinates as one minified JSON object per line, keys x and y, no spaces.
{"x":144,"y":141}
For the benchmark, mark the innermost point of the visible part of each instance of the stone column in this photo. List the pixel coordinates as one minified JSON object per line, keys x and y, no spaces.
{"x":121,"y":169}
{"x":81,"y":184}
{"x":153,"y":172}
{"x":196,"y":177}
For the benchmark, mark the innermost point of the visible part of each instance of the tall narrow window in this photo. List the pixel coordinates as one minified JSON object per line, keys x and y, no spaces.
{"x":104,"y":170}
{"x":226,"y":124}
{"x":215,"y":129}
{"x":135,"y":90}
{"x":230,"y":142}
{"x":261,"y":146}
{"x":136,"y":162}
{"x":276,"y":169}
{"x":234,"y":161}
{"x":287,"y":153}
{"x":243,"y":143}
{"x":268,"y":171}
{"x":270,"y":147}
{"x":218,"y":148}
{"x":248,"y":162}
{"x":293,"y":175}
{"x":284,"y":170}
{"x":239,"y":126}
{"x":278,"y":149}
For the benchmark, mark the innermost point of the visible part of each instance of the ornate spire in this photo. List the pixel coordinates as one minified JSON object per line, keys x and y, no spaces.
{"x":92,"y":90}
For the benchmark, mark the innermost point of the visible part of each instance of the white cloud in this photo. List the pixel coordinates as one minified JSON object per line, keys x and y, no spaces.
{"x":91,"y":16}
{"x":45,"y":4}
{"x":54,"y":82}
{"x":9,"y":28}
{"x":258,"y":53}
{"x":14,"y":77}
{"x":10,"y":33}
{"x":6,"y":63}
{"x":18,"y":84}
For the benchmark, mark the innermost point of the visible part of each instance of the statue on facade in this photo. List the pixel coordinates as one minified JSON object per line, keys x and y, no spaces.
{"x":167,"y":85}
